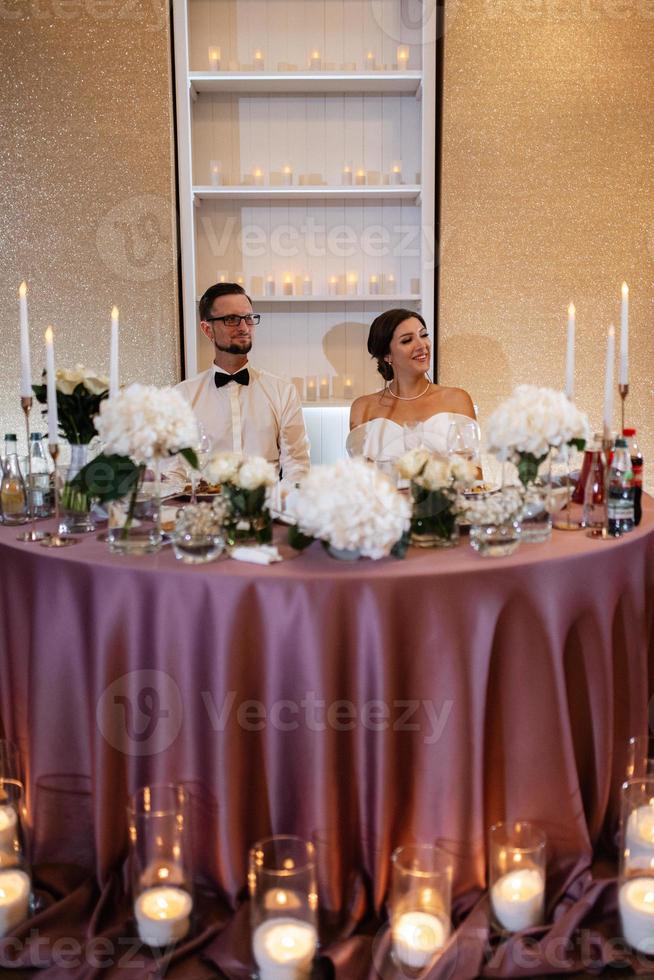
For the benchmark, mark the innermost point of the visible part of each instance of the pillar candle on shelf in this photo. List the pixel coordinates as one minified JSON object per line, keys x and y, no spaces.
{"x":402,"y":57}
{"x":360,"y":178}
{"x":389,"y":283}
{"x":270,"y":285}
{"x":287,"y":176}
{"x":332,"y":286}
{"x":163,"y":915}
{"x":216,"y":176}
{"x":373,"y":177}
{"x":240,"y":281}
{"x":396,"y":173}
{"x":352,"y":284}
{"x":307,"y":286}
{"x":324,"y":388}
{"x":608,"y":382}
{"x":311,"y":388}
{"x":346,"y":176}
{"x":256,"y":285}
{"x":113,"y":359}
{"x":570,"y":354}
{"x":25,"y":360}
{"x":373,"y":285}
{"x":370,"y":61}
{"x":314,"y":61}
{"x":258,"y":177}
{"x":221,"y":277}
{"x":287,"y":287}
{"x":248,"y":180}
{"x":518,"y":899}
{"x":624,"y":336}
{"x":53,"y":419}
{"x":348,"y":387}
{"x":214,"y":59}
{"x":258,"y":60}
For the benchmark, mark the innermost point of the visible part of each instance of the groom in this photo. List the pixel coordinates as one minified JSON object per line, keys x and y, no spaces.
{"x":242,"y":408}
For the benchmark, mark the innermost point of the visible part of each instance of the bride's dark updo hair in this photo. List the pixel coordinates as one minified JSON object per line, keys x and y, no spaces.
{"x":381,"y":333}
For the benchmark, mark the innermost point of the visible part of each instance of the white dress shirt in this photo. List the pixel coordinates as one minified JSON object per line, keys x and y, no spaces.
{"x":263,"y":418}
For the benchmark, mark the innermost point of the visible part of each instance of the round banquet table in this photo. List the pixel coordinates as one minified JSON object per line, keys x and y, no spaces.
{"x":361,"y":705}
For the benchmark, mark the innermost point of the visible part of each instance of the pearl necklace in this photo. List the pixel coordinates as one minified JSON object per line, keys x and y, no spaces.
{"x":408,"y":398}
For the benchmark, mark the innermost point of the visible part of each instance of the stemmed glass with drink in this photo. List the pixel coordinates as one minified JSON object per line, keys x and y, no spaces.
{"x":463,"y":439}
{"x":203,"y":451}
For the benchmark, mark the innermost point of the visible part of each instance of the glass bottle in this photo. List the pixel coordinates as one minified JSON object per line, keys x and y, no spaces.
{"x":637,"y":469}
{"x":591,"y":485}
{"x":621,"y":491}
{"x":13,"y":497}
{"x":40,"y":497}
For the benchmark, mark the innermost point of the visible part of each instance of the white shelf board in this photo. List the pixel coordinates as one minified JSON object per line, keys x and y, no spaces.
{"x":306,"y":82}
{"x":382,"y":192}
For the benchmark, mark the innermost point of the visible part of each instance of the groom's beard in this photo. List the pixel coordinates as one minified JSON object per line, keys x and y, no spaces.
{"x":243,"y":348}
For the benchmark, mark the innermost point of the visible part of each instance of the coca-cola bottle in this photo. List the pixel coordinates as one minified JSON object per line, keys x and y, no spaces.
{"x":620,"y":502}
{"x":637,"y":469}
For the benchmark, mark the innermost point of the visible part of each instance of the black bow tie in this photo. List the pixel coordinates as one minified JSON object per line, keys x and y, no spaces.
{"x":242,"y":377}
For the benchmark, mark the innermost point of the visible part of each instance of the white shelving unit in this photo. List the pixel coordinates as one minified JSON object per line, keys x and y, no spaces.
{"x":263,"y":160}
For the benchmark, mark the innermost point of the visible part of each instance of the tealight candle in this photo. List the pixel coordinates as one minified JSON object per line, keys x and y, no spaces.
{"x":258,"y":60}
{"x":163,"y":915}
{"x":636,"y":904}
{"x":307,"y":286}
{"x":284,"y":948}
{"x":287,"y":176}
{"x":417,"y":936}
{"x":8,"y":828}
{"x":214,"y":59}
{"x":324,"y":388}
{"x":281,"y":899}
{"x":25,"y":362}
{"x":287,"y":287}
{"x":14,"y":899}
{"x":314,"y":61}
{"x":373,"y":285}
{"x":270,"y":285}
{"x":113,"y":359}
{"x":258,"y":177}
{"x":360,"y":177}
{"x":518,"y":899}
{"x":332,"y":286}
{"x":402,"y":57}
{"x":346,"y":176}
{"x":396,"y":173}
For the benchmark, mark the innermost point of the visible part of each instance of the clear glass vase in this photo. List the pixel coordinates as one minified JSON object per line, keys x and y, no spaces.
{"x":536,"y":520}
{"x":135,"y":520}
{"x":433,"y":521}
{"x":75,"y":507}
{"x":495,"y":540}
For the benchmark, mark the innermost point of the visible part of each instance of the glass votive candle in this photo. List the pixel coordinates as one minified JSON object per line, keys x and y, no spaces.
{"x":517,"y":875}
{"x":636,"y":881}
{"x":199,"y":537}
{"x":160,"y":878}
{"x":640,"y":762}
{"x":637,"y":821}
{"x":420,"y":903}
{"x":284,"y":907}
{"x":15,"y":881}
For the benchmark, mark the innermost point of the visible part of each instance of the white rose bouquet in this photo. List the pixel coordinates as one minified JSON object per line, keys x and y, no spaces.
{"x":527,"y":425}
{"x":350,"y":506}
{"x":436,"y":484}
{"x":246,"y":483}
{"x":79,"y":394}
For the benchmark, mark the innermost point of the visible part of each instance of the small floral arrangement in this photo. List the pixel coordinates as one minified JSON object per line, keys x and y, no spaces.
{"x":246,"y":483}
{"x":436,"y":482}
{"x":79,"y":394}
{"x":139,"y":427}
{"x":352,"y":507}
{"x":529,"y":423}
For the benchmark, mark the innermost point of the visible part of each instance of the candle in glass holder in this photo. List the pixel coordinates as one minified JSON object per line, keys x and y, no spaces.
{"x":417,"y":936}
{"x":287,"y":287}
{"x":307,"y":286}
{"x":314,"y":61}
{"x":214,"y":59}
{"x":332,"y":286}
{"x":258,"y":177}
{"x":248,"y":180}
{"x":396,"y":173}
{"x":312,"y":388}
{"x":14,"y":898}
{"x":360,"y":177}
{"x":270,"y":285}
{"x":8,"y":828}
{"x":518,"y":899}
{"x":324,"y":388}
{"x":258,"y":60}
{"x":240,"y":281}
{"x":352,"y":284}
{"x":636,"y":904}
{"x":370,"y":61}
{"x":402,"y":57}
{"x":348,"y":387}
{"x":163,"y":915}
{"x":346,"y":176}
{"x":389,"y":283}
{"x":287,"y":176}
{"x":284,"y":948}
{"x":639,"y":833}
{"x":221,"y":277}
{"x":373,"y":285}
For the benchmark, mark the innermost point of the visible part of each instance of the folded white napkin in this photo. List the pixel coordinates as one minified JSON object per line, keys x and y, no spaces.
{"x":261,"y":554}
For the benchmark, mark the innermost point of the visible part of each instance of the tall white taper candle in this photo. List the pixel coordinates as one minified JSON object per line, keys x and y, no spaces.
{"x":113,"y":360}
{"x":608,"y":381}
{"x":624,"y":336}
{"x":25,"y":363}
{"x":570,"y":354}
{"x":53,"y":419}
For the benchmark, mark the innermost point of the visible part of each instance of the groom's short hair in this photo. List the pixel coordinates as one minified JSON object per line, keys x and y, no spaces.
{"x":217,"y":290}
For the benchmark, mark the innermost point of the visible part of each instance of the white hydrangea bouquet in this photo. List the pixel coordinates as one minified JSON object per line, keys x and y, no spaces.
{"x":529,"y":423}
{"x":139,"y":427}
{"x":436,"y":483}
{"x":79,"y":394}
{"x":353,"y":508}
{"x":246,"y":484}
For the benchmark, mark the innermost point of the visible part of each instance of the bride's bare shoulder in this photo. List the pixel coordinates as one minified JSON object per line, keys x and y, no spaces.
{"x":363,"y":408}
{"x":457,"y":400}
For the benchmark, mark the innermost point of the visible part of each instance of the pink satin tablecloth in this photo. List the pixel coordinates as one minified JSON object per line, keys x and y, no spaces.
{"x":362,"y":705}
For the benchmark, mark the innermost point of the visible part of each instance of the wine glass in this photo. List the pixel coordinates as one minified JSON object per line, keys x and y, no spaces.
{"x":463,"y":439}
{"x":202,"y":451}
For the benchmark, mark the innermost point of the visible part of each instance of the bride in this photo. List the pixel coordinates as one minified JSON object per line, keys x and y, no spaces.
{"x":410,"y":410}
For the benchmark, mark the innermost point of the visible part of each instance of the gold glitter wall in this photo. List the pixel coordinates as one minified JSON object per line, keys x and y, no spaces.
{"x":87,"y":187}
{"x":548,"y":196}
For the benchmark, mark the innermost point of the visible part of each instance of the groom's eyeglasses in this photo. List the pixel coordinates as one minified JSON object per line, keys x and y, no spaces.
{"x":233,"y":320}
